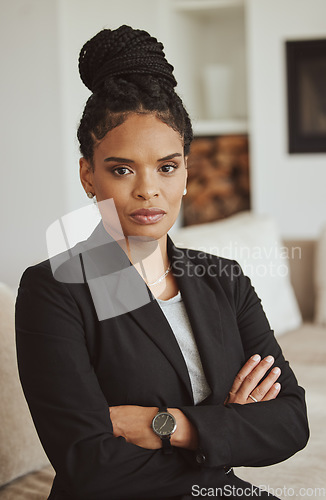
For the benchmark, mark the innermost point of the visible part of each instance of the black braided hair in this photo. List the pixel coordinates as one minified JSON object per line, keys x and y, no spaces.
{"x":127,"y":71}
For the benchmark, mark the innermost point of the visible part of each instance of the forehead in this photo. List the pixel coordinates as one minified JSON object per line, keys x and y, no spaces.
{"x":141,"y":134}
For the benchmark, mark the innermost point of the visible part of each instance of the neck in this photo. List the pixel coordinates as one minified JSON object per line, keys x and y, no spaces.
{"x":149,"y":256}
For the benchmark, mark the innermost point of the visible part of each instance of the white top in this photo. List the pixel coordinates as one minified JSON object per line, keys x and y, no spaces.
{"x":176,"y":314}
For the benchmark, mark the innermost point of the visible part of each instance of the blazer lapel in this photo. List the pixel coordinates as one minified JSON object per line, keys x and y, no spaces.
{"x":205,"y":317}
{"x":153,"y":322}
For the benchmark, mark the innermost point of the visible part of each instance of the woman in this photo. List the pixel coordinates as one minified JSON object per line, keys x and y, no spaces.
{"x":143,"y":363}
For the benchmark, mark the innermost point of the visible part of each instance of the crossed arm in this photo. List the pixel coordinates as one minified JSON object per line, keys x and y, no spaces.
{"x":134,"y":422}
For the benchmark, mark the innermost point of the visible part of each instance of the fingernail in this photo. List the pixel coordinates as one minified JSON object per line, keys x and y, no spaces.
{"x":276,"y":370}
{"x":277,"y":386}
{"x":269,"y":359}
{"x":256,"y":357}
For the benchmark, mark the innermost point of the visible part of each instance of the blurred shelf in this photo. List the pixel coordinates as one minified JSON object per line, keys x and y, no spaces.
{"x":202,"y":5}
{"x":219,"y":127}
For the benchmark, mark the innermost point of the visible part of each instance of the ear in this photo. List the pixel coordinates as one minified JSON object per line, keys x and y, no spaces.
{"x":86,"y":175}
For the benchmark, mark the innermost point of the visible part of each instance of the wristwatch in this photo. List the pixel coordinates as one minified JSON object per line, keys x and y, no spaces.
{"x":164,"y":425}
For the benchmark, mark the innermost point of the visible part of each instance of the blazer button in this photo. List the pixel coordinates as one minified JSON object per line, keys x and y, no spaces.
{"x":200,"y":458}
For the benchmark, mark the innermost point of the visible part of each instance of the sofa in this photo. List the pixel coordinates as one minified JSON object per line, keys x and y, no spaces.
{"x":25,"y":472}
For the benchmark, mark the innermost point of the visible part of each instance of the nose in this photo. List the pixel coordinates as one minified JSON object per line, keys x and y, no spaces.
{"x":146,"y":188}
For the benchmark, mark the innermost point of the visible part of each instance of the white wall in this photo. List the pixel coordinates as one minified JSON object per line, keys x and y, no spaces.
{"x":200,"y":40}
{"x":289,"y":187}
{"x":31,"y":153}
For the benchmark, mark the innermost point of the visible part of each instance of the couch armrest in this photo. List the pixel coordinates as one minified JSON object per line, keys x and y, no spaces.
{"x":301,"y":262}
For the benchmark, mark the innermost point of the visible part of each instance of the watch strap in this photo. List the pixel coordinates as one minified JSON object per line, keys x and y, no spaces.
{"x":167,"y":447}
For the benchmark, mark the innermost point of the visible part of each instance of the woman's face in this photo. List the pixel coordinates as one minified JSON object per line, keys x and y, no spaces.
{"x":141,"y":166}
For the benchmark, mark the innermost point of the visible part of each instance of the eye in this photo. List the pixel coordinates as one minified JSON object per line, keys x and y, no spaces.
{"x":169,"y":168}
{"x":121,"y":171}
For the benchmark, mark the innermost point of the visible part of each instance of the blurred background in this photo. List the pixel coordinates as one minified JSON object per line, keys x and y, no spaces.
{"x":230,"y":62}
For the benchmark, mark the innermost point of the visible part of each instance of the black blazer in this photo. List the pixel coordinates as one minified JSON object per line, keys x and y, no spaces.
{"x":73,"y":366}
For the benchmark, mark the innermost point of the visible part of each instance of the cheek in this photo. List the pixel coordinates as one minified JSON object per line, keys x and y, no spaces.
{"x":175,"y":187}
{"x":109,"y":189}
{"x":176,"y":192}
{"x":175,"y":205}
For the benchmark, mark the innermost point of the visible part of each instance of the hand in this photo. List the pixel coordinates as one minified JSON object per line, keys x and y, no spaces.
{"x":185,"y":435}
{"x":134,"y":423}
{"x":247,"y":382}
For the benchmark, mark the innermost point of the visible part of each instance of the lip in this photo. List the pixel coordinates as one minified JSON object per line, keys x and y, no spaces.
{"x":148,"y":211}
{"x":147,"y":215}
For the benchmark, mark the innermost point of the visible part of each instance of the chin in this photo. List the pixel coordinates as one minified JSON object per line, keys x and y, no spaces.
{"x":155,"y":231}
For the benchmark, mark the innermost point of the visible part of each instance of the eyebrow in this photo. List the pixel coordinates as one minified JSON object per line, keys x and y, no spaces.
{"x":117,"y":158}
{"x":169,"y":157}
{"x":127,"y":160}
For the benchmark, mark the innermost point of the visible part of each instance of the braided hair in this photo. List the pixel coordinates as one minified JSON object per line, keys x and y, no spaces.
{"x":126,"y":71}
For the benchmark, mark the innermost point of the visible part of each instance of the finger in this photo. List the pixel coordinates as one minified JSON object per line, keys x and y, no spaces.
{"x":253,"y":378}
{"x":262,"y":389}
{"x":273,"y":392}
{"x":244,"y":372}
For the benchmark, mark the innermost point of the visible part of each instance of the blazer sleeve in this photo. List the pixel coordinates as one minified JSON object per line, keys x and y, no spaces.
{"x":70,"y":411}
{"x":252,"y":434}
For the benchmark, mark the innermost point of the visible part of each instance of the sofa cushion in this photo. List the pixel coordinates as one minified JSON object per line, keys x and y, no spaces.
{"x":305,"y":345}
{"x":20,"y":450}
{"x":254,"y":241}
{"x":33,"y":486}
{"x":320,"y":279}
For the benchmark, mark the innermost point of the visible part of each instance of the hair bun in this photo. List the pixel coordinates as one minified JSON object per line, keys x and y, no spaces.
{"x":122,"y":52}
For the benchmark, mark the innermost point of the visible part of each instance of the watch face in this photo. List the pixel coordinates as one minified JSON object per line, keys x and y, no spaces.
{"x":164,"y":424}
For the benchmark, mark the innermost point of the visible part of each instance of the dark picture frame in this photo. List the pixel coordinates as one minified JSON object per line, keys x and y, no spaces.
{"x":306,"y":95}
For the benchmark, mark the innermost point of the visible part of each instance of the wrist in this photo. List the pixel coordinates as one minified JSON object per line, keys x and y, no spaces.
{"x":186,"y":435}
